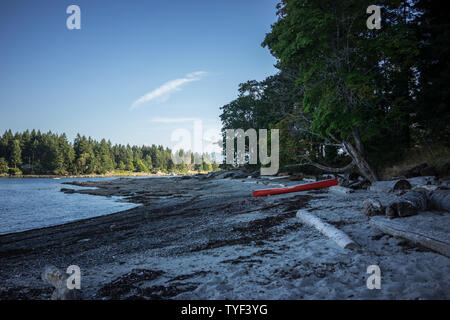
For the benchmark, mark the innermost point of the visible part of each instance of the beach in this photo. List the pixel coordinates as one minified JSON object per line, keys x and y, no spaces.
{"x":209,"y":238}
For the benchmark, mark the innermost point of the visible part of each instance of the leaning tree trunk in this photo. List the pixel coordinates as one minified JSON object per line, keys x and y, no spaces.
{"x":364,"y":167}
{"x":359,"y":156}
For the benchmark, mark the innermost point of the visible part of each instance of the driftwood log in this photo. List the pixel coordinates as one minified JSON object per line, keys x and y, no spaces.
{"x":390,"y":186}
{"x":408,"y":204}
{"x":423,"y":181}
{"x":340,"y":190}
{"x":326,"y":229}
{"x":58,"y":279}
{"x":440,"y":200}
{"x":373,"y":207}
{"x":417,"y":231}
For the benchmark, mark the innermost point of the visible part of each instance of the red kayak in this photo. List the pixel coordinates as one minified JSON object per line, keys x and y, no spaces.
{"x":302,"y":187}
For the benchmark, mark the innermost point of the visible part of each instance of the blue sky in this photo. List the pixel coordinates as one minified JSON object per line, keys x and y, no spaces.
{"x":136,"y":71}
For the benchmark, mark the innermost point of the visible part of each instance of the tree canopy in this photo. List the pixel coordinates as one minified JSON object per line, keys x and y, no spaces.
{"x":51,"y":153}
{"x":354,"y":92}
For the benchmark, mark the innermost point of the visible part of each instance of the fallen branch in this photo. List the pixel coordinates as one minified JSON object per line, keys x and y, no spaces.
{"x":327,"y":230}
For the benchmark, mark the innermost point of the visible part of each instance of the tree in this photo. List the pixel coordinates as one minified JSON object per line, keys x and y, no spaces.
{"x":344,"y":70}
{"x":3,"y":166}
{"x":432,"y":110}
{"x":104,"y":155}
{"x":140,"y":166}
{"x":16,"y":153}
{"x":121,"y":166}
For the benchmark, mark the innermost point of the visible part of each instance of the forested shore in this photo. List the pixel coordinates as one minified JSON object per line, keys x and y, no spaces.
{"x":348,"y":97}
{"x":36,"y":153}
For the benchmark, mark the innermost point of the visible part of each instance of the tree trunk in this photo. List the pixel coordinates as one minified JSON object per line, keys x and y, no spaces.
{"x":364,"y":167}
{"x":358,"y":155}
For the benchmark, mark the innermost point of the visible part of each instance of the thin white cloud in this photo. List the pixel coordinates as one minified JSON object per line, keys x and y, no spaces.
{"x":171,"y":120}
{"x":167,"y":88}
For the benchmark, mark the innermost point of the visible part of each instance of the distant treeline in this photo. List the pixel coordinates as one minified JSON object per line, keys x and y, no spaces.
{"x":49,"y":153}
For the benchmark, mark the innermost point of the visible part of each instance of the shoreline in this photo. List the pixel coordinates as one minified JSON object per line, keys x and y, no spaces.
{"x":107,"y":175}
{"x":209,"y":238}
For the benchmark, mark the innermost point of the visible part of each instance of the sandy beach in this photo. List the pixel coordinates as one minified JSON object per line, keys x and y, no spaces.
{"x":198,"y":238}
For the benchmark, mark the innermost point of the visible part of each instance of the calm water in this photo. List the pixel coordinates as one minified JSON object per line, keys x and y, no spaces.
{"x":34,"y":203}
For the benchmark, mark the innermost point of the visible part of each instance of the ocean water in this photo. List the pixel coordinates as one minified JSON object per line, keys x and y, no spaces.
{"x":31,"y":203}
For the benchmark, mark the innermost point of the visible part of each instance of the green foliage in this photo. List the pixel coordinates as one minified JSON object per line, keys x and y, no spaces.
{"x":3,"y":166}
{"x":16,"y":153}
{"x":347,"y":70}
{"x":206,"y":166}
{"x":140,"y":166}
{"x":432,"y":104}
{"x":15,"y":171}
{"x":49,"y":153}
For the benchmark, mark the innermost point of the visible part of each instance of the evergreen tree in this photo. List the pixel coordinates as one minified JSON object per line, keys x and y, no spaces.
{"x":3,"y":166}
{"x":16,"y":153}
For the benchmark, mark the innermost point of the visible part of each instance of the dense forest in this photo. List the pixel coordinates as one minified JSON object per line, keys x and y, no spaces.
{"x":49,"y":153}
{"x":347,"y":97}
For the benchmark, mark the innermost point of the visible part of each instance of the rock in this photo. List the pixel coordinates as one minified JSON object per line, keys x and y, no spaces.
{"x":66,"y":190}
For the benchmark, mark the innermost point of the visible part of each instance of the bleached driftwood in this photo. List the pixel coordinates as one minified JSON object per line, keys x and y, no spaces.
{"x":340,"y":190}
{"x":327,"y":229}
{"x":422,"y":181}
{"x":58,"y":279}
{"x":415,"y":231}
{"x":390,"y":186}
{"x":440,"y":200}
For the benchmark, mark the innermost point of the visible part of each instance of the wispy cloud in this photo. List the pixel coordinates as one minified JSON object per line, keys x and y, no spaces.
{"x":168,"y":88}
{"x":171,"y":120}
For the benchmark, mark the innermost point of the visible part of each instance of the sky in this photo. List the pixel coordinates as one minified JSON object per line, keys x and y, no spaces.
{"x":136,"y":71}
